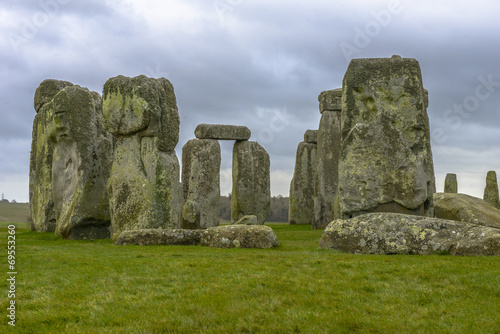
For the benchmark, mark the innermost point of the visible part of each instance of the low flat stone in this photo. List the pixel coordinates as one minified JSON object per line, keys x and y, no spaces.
{"x":393,"y":233}
{"x":311,"y":136}
{"x":175,"y":237}
{"x":247,"y":220}
{"x":244,"y":236}
{"x":222,"y":132}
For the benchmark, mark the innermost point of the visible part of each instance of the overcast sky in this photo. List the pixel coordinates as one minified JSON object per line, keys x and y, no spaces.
{"x":257,"y":63}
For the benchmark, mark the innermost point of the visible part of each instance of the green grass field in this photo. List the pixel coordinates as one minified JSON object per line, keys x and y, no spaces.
{"x":97,"y":287}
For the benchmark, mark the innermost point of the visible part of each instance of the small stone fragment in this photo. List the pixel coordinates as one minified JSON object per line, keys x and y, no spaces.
{"x":450,"y":183}
{"x":222,"y":132}
{"x":247,"y":220}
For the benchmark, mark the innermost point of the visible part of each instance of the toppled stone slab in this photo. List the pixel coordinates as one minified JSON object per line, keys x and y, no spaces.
{"x":385,"y":159}
{"x":301,"y":202}
{"x":247,"y":220}
{"x":450,"y":183}
{"x":201,"y":185}
{"x":81,"y":164}
{"x":311,"y":136}
{"x":491,"y":190}
{"x":330,"y":100}
{"x":466,"y":208}
{"x":175,"y":237}
{"x":392,"y":233}
{"x":244,"y":236}
{"x":251,"y":181}
{"x":222,"y":132}
{"x":42,"y":213}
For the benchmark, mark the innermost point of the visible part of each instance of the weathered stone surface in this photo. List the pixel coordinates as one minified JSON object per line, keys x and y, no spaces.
{"x":450,"y":183}
{"x":386,"y":159}
{"x":330,"y":100}
{"x":328,"y":151}
{"x":144,"y":189}
{"x":201,"y":183}
{"x":222,"y":132}
{"x":247,"y":220}
{"x":301,"y":203}
{"x":142,"y":106}
{"x":466,"y":208}
{"x":169,"y":237}
{"x":311,"y":136}
{"x":81,"y":164}
{"x":251,"y":181}
{"x":43,"y":218}
{"x":392,"y":233}
{"x":244,"y":236}
{"x":491,"y":190}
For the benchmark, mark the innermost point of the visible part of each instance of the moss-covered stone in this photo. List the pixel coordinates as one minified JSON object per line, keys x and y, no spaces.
{"x":392,"y":233}
{"x":301,"y":203}
{"x":169,"y":237}
{"x":311,"y":136}
{"x":251,"y":181}
{"x":386,"y":154}
{"x":450,"y":183}
{"x":236,"y":236}
{"x":491,"y":190}
{"x":222,"y":132}
{"x":201,"y":183}
{"x":43,"y":218}
{"x":81,"y":164}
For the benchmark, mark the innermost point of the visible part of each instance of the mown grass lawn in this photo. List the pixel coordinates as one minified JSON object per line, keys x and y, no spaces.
{"x":97,"y":287}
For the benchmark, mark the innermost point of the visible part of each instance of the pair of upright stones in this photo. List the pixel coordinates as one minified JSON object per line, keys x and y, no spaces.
{"x":201,"y":159}
{"x":373,"y":143}
{"x":100,"y":166}
{"x":490,"y":191}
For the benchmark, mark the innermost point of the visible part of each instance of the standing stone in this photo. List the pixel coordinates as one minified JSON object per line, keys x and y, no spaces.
{"x":301,"y":204}
{"x":201,"y":183}
{"x":450,"y":183}
{"x":491,"y":190}
{"x":251,"y":181}
{"x":311,"y":136}
{"x":144,"y":189}
{"x":386,"y":159}
{"x":43,"y":217}
{"x":328,"y":151}
{"x":80,"y":165}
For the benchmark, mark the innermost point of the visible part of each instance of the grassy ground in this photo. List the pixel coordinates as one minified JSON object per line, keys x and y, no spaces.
{"x":97,"y":287}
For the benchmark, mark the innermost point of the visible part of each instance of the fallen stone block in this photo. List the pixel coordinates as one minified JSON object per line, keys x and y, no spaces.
{"x":175,"y":237}
{"x":244,"y":236}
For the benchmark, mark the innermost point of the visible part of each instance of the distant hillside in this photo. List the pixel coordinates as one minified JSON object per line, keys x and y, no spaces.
{"x":14,"y":212}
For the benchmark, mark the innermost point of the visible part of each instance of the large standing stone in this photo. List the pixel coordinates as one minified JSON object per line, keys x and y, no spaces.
{"x":450,"y":183}
{"x":491,"y":190}
{"x":43,"y":218}
{"x":80,"y":165}
{"x":222,"y":132}
{"x":328,"y":151}
{"x":386,"y":159}
{"x":393,"y":233}
{"x":301,"y":203}
{"x":200,"y":180}
{"x":144,"y":189}
{"x":251,"y":181}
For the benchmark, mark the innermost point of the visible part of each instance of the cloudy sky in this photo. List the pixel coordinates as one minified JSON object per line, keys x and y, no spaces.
{"x":257,"y":63}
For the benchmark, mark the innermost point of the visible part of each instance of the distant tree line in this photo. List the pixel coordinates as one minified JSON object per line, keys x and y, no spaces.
{"x":277,"y":213}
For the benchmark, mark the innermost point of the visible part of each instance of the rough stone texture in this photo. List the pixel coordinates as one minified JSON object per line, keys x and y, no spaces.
{"x":42,"y":213}
{"x":491,"y":190}
{"x":466,"y":208}
{"x":386,"y":159}
{"x":81,"y":164}
{"x":244,"y":236}
{"x":328,"y":151}
{"x":144,"y":189}
{"x":222,"y":132}
{"x":330,"y":100}
{"x":251,"y":181}
{"x":392,"y":233}
{"x":175,"y":237}
{"x":311,"y":136}
{"x":301,"y":203}
{"x":450,"y":183}
{"x":201,"y":183}
{"x":247,"y":220}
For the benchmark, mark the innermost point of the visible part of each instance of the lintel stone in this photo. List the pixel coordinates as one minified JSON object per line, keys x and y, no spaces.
{"x":222,"y":132}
